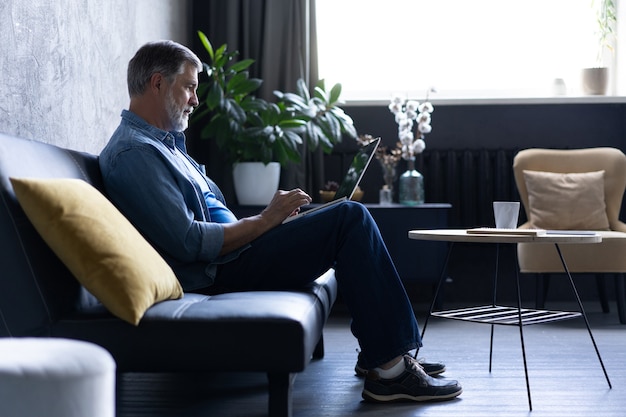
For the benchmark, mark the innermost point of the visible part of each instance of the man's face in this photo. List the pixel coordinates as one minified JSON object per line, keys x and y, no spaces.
{"x":181,"y":98}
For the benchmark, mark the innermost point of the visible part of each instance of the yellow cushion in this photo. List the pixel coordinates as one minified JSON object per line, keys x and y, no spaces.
{"x":103,"y":250}
{"x":563,"y":201}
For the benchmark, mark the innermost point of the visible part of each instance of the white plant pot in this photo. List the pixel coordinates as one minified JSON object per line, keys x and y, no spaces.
{"x":255,"y":182}
{"x":595,"y":80}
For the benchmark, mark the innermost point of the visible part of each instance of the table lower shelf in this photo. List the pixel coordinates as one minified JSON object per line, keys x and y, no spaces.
{"x":505,"y":315}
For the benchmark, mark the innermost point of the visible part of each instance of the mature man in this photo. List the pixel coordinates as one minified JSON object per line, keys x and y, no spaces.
{"x":149,"y":176}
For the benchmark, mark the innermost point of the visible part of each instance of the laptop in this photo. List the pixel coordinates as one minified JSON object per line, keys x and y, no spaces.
{"x":351,"y":180}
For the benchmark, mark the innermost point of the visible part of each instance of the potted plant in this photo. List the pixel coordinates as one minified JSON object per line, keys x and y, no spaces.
{"x":249,"y":129}
{"x":328,"y":191}
{"x":595,"y":79}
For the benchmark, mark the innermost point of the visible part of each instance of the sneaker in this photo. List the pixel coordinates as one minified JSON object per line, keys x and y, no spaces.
{"x":431,"y":368}
{"x":413,"y":384}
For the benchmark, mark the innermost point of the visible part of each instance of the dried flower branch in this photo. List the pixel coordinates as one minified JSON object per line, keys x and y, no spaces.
{"x":388,"y":159}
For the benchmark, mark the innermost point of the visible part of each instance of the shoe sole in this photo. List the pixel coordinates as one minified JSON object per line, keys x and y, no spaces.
{"x":369,"y":396}
{"x":360,"y":372}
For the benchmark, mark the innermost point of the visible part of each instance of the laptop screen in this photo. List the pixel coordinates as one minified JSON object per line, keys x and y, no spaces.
{"x":357,"y":168}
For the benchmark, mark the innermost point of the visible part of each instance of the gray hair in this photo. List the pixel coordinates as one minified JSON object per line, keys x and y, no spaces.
{"x":165,"y":57}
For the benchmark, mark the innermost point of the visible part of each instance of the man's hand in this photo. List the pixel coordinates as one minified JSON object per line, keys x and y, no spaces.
{"x":285,"y":204}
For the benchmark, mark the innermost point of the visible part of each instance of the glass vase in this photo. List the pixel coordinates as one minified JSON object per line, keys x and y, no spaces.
{"x":411,"y":186}
{"x":385,"y":196}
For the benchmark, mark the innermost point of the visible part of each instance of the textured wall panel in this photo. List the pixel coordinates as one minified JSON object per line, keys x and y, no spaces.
{"x":63,"y":64}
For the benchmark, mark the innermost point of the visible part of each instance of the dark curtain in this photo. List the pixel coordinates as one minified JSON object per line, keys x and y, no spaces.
{"x":280,"y":36}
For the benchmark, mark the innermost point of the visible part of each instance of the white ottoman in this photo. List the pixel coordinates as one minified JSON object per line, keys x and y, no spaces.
{"x":48,"y":377}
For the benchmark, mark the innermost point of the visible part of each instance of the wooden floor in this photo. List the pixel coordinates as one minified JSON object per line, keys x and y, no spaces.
{"x":565,"y":376}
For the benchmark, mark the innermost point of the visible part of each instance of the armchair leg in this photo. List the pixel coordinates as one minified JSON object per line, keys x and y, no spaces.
{"x":620,"y":295}
{"x":541,"y":290}
{"x":604,"y":299}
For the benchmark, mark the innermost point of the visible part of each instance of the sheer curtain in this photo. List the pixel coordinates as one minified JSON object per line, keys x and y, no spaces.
{"x":280,"y":36}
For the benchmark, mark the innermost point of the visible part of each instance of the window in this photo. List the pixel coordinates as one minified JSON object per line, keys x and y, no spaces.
{"x":465,"y":49}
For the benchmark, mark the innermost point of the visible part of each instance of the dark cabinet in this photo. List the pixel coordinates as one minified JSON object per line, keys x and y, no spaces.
{"x":416,"y":261}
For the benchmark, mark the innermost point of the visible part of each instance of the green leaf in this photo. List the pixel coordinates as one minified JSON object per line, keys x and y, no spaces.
{"x":242,"y":65}
{"x":280,"y":153}
{"x":215,"y":96}
{"x":203,"y":88}
{"x":218,"y":127}
{"x":256,"y":135}
{"x":220,"y":62}
{"x":295,"y":100}
{"x":274,"y":112}
{"x":330,"y":128}
{"x":319,"y":93}
{"x":345,"y":121}
{"x":206,"y":43}
{"x":220,"y":52}
{"x":325,"y":144}
{"x":302,"y":90}
{"x":312,"y":135}
{"x":236,"y":81}
{"x":335,"y":92}
{"x":208,"y":69}
{"x":245,"y":86}
{"x":253,"y":104}
{"x":235,"y":111}
{"x":294,"y":139}
{"x":292,"y":123}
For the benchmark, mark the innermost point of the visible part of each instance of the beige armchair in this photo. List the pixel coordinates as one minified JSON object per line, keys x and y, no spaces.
{"x":580,"y":189}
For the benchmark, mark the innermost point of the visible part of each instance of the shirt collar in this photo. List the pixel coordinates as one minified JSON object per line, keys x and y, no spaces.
{"x":172,"y":139}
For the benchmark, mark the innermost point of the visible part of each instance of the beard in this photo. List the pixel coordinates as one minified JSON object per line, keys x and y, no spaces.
{"x":177,"y":114}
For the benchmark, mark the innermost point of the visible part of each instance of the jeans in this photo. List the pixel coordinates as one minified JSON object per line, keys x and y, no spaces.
{"x":345,"y":237}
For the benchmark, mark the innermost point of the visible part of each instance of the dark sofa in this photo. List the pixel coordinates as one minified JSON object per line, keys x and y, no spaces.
{"x":275,"y":332}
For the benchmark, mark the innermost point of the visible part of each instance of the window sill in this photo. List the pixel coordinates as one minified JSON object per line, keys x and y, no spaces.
{"x":505,"y":101}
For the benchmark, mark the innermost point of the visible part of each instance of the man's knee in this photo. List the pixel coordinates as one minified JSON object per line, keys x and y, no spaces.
{"x":354,"y":211}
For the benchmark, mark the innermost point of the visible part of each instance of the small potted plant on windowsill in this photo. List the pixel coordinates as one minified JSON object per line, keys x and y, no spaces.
{"x":595,"y":79}
{"x":249,"y":129}
{"x":327,"y":193}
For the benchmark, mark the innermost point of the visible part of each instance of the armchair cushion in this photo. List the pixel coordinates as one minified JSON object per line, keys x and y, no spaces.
{"x":98,"y":245}
{"x":563,"y":201}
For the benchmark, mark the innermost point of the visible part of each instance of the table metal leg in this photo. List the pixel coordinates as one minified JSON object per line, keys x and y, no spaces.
{"x":493,"y":301}
{"x":521,"y":328}
{"x":582,"y":311}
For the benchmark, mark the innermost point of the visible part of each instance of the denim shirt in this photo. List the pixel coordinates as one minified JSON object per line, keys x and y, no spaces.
{"x":147,"y":179}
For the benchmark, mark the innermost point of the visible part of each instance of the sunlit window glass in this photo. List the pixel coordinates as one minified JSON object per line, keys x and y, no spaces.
{"x":465,"y":49}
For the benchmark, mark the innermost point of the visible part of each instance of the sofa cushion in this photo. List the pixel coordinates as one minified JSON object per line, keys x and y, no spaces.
{"x":242,"y":331}
{"x":564,"y":201}
{"x":98,"y":245}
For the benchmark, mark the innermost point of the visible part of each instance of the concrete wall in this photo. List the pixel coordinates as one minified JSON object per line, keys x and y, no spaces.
{"x":63,"y":64}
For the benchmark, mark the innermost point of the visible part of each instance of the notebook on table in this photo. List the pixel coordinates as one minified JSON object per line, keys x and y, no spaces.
{"x":527,"y":232}
{"x":350,"y":181}
{"x":502,"y":231}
